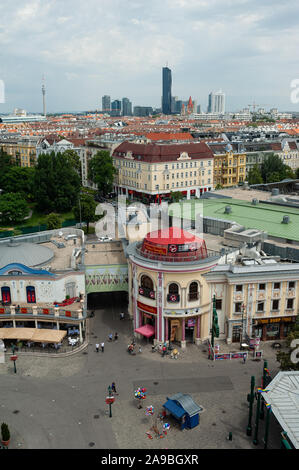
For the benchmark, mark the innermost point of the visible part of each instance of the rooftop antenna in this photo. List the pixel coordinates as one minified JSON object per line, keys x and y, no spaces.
{"x":44,"y":95}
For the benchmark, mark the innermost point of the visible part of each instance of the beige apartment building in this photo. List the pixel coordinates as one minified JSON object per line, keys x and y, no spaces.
{"x":149,"y":171}
{"x":23,"y":150}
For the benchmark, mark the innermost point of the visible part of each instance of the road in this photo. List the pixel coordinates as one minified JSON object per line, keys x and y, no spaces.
{"x":59,"y":403}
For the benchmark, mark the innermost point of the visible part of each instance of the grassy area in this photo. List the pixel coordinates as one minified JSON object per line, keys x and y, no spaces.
{"x":37,"y":218}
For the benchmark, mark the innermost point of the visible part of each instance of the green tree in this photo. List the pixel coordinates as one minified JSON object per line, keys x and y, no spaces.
{"x":74,"y":159}
{"x":19,"y":180}
{"x":5,"y":165}
{"x":86,"y":209}
{"x":254,"y":175}
{"x":13,"y":208}
{"x":101,"y":171}
{"x":176,"y":196}
{"x":285,"y":357}
{"x":53,"y":221}
{"x":273,"y":169}
{"x":297,"y":173}
{"x":56,"y":183}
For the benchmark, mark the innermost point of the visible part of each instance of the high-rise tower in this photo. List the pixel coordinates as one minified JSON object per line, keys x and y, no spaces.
{"x":166,"y":90}
{"x":44,"y":95}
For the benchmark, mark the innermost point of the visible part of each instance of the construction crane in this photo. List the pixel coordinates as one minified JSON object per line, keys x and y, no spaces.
{"x":254,"y":105}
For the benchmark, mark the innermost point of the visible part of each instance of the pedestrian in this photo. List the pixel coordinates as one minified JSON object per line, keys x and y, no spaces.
{"x":244,"y":358}
{"x":102,"y":346}
{"x":122,"y":316}
{"x":164,"y":350}
{"x":97,"y":347}
{"x":140,"y":350}
{"x":110,"y":337}
{"x":113,"y":386}
{"x":115,"y":336}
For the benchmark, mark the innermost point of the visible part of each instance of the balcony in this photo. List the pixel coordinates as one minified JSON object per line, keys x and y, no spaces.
{"x":146,"y":292}
{"x":45,"y":311}
{"x":173,"y":298}
{"x":193,"y":296}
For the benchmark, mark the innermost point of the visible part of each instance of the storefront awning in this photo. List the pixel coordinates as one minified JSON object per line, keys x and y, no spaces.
{"x":146,"y":330}
{"x":33,"y":334}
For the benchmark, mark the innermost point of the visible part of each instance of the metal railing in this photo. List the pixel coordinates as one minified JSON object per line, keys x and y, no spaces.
{"x":178,"y":259}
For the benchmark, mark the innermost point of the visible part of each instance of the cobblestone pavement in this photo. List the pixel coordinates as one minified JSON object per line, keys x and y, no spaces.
{"x":60,"y":402}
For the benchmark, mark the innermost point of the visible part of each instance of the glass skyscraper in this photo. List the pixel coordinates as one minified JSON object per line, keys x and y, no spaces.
{"x":166,"y":90}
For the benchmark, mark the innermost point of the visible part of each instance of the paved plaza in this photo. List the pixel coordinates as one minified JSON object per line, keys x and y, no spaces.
{"x":59,"y":402}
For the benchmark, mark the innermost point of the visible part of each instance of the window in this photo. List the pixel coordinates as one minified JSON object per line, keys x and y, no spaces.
{"x":218,"y":304}
{"x":276,"y":285}
{"x":173,"y":293}
{"x":5,"y":293}
{"x":290,"y":304}
{"x":260,"y":307}
{"x":275,"y":304}
{"x":238,"y":307}
{"x":262,"y":286}
{"x":291,"y":284}
{"x":147,"y":287}
{"x":30,"y":291}
{"x":239,"y":288}
{"x":193,"y":291}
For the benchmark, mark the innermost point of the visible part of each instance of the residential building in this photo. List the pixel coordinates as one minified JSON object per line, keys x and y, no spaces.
{"x":23,"y":150}
{"x":229,"y":165}
{"x":154,"y":170}
{"x":115,"y":108}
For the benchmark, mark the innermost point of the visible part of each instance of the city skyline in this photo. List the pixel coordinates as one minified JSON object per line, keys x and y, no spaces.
{"x":250,"y":50}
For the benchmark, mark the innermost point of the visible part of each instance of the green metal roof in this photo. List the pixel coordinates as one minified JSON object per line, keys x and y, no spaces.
{"x":265,"y":217}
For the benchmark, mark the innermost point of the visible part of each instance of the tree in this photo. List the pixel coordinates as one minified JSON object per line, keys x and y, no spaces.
{"x":13,"y":208}
{"x":19,"y":180}
{"x":53,"y":221}
{"x":254,"y":175}
{"x":74,"y":160}
{"x":273,"y":169}
{"x":5,"y":165}
{"x":176,"y":196}
{"x":84,"y":210}
{"x":56,"y":183}
{"x":285,"y":357}
{"x":101,"y":171}
{"x":297,"y":173}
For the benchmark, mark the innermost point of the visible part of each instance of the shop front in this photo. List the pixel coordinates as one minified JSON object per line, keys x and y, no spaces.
{"x":182,"y":330}
{"x":147,"y":315}
{"x":274,"y":328}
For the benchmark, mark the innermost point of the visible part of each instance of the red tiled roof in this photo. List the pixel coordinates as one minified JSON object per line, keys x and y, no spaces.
{"x":163,"y":153}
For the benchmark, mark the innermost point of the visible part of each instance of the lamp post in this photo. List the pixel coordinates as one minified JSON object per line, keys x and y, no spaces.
{"x":13,"y":358}
{"x":255,"y":440}
{"x":109,"y":400}
{"x":250,"y":398}
{"x":242,"y":327}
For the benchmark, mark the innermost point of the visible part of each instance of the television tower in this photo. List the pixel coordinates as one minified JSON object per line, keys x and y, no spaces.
{"x":44,"y":95}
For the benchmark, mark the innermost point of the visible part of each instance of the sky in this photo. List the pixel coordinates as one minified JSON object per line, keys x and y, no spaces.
{"x":87,"y":49}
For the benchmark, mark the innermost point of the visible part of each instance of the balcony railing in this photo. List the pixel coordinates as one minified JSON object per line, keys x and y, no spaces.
{"x":173,"y":298}
{"x":196,"y":256}
{"x":146,"y":292}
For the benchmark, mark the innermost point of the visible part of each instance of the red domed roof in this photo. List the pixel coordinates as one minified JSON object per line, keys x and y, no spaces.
{"x":172,"y":235}
{"x":173,"y":244}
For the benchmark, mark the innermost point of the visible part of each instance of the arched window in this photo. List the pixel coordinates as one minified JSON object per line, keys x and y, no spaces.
{"x":5,"y":294}
{"x":147,"y":282}
{"x":173,"y":293}
{"x":193,"y":291}
{"x":30,"y":294}
{"x":146,"y":287}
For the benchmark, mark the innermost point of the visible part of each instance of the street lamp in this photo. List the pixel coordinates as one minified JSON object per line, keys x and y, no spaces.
{"x":242,"y":327}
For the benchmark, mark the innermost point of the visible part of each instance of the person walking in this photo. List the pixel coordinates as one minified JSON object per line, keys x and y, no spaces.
{"x":244,"y":358}
{"x":122,"y":316}
{"x":97,"y":347}
{"x":110,"y":337}
{"x":113,"y":387}
{"x":115,"y":336}
{"x":102,"y":346}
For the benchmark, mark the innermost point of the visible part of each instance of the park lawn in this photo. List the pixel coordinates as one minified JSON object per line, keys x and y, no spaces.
{"x":38,"y":218}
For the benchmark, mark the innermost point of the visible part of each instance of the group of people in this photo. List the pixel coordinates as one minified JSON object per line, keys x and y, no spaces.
{"x":110,"y":337}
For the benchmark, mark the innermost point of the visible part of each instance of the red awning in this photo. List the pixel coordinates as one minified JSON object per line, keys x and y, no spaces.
{"x":146,"y":330}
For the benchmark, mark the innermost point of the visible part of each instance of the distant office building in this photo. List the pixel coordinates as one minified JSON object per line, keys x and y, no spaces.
{"x":115,"y":108}
{"x":142,"y":111}
{"x":173,"y":104}
{"x":106,"y":104}
{"x":198,"y":110}
{"x":166,"y":90}
{"x":178,"y":106}
{"x":126,"y":107}
{"x":216,"y":103}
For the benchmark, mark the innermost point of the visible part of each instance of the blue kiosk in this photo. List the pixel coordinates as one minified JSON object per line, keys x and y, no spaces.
{"x":182,"y":407}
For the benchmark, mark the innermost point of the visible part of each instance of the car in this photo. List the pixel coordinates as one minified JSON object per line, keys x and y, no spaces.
{"x":105,"y":239}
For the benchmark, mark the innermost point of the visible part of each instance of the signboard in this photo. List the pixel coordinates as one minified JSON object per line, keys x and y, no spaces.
{"x":276,"y":320}
{"x":147,"y":308}
{"x":191,"y":322}
{"x":182,"y":248}
{"x":160,"y":250}
{"x":106,"y":278}
{"x":222,"y":356}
